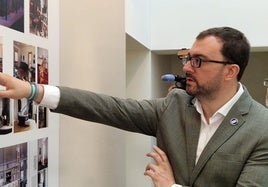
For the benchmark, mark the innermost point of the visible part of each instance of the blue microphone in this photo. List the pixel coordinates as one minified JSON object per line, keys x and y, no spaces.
{"x":175,"y":78}
{"x":171,"y":78}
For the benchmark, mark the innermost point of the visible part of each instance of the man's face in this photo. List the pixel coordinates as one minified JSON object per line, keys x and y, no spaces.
{"x":206,"y":80}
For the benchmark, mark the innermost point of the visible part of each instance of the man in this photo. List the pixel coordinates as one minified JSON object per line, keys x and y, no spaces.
{"x":212,"y":134}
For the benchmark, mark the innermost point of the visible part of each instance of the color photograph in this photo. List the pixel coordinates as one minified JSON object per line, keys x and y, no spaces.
{"x":39,"y":18}
{"x":12,"y":14}
{"x":1,"y":54}
{"x":25,"y":112}
{"x":42,"y":78}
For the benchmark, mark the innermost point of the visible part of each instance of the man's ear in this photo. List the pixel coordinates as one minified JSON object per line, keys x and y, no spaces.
{"x":232,"y":71}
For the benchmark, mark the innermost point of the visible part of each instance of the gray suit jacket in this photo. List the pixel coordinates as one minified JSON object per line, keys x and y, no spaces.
{"x":236,"y":155}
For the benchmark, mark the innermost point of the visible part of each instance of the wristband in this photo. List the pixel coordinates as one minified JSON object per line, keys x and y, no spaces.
{"x":34,"y":91}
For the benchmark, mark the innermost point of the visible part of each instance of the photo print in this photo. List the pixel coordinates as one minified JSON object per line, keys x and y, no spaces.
{"x":39,"y":18}
{"x":12,"y":14}
{"x":1,"y":54}
{"x":5,"y":125}
{"x":13,"y":165}
{"x":25,"y":112}
{"x":42,"y":66}
{"x":25,"y":164}
{"x":42,"y":78}
{"x":43,"y":162}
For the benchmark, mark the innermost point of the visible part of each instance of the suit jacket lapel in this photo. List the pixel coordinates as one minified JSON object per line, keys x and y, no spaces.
{"x":192,"y":128}
{"x":229,"y":126}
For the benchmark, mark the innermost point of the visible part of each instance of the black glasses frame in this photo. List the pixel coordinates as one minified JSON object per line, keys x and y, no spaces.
{"x":197,"y":61}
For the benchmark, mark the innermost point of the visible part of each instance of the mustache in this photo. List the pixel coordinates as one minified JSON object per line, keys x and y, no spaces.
{"x":187,"y":75}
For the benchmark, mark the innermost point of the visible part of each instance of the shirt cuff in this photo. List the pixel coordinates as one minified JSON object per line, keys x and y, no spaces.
{"x":176,"y":185}
{"x":51,"y":97}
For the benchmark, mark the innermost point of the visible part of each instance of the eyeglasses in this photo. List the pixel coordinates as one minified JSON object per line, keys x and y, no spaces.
{"x":197,"y":61}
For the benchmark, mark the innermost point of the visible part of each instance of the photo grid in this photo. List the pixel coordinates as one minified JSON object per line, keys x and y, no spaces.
{"x":24,"y":164}
{"x":33,"y":68}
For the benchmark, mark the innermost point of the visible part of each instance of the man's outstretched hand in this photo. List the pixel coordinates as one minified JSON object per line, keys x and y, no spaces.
{"x":17,"y":89}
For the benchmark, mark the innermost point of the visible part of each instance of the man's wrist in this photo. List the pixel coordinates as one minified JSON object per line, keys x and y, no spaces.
{"x":40,"y":93}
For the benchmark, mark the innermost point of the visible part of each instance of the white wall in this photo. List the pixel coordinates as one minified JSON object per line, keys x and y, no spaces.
{"x":161,"y":64}
{"x":92,"y":56}
{"x":138,"y":20}
{"x":174,"y":24}
{"x":138,"y":71}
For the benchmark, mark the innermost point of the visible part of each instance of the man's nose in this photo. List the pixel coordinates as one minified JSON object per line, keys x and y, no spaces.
{"x":187,"y":67}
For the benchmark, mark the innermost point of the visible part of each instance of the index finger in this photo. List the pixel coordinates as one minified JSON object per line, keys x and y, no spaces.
{"x":161,"y":153}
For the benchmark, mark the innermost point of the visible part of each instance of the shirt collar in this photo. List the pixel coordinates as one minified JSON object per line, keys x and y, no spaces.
{"x":226,"y":107}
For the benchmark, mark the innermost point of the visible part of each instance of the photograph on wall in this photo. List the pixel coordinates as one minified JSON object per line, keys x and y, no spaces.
{"x":42,"y":66}
{"x":13,"y":165}
{"x":43,"y":162}
{"x":38,"y":163}
{"x":1,"y":54}
{"x":42,"y":117}
{"x":39,"y":18}
{"x":42,"y":78}
{"x":25,"y":112}
{"x":25,"y":164}
{"x":12,"y":14}
{"x":5,"y":125}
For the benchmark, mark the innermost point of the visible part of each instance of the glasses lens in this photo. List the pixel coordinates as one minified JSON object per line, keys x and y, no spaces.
{"x":184,"y":59}
{"x":195,"y":62}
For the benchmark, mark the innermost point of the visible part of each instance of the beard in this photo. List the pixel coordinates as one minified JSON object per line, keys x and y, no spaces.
{"x":205,"y":90}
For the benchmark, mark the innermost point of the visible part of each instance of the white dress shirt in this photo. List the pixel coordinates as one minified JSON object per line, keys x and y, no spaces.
{"x":208,"y":129}
{"x":52,"y":96}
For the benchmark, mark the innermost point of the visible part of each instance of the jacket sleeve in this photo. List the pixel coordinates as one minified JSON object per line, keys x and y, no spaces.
{"x":126,"y":114}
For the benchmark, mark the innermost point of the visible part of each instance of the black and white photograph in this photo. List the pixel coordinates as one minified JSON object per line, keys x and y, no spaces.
{"x":5,"y":125}
{"x":42,"y":162}
{"x":13,"y":166}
